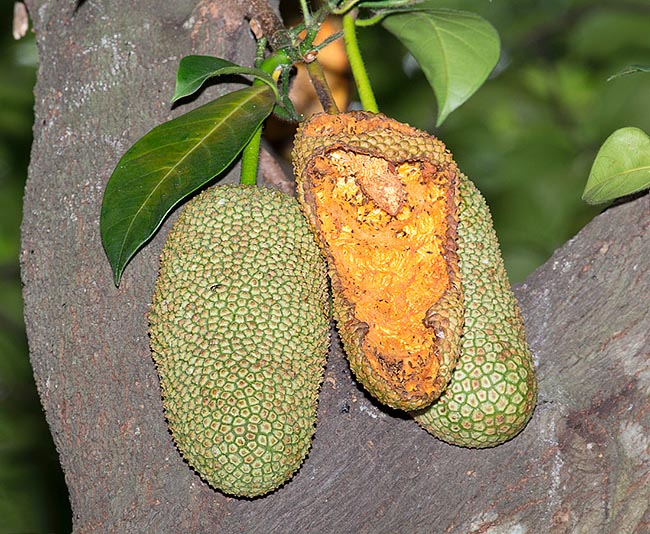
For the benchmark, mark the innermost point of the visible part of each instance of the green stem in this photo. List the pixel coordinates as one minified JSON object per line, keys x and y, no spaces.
{"x":322,"y":88}
{"x":251,"y":153}
{"x":356,"y":64}
{"x":343,"y":8}
{"x":250,"y":159}
{"x":306,"y":15}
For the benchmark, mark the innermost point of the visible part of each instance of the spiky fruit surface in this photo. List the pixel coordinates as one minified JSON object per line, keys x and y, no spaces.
{"x":239,"y":328}
{"x":493,"y":389}
{"x":381,"y":198}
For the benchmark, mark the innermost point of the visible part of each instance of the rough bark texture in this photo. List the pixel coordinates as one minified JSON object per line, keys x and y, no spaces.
{"x":582,"y":464}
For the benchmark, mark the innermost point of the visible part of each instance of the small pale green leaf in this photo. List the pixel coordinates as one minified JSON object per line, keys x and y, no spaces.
{"x":456,"y":50}
{"x":621,"y":167}
{"x":194,"y":71}
{"x":630,"y":69}
{"x":172,"y":161}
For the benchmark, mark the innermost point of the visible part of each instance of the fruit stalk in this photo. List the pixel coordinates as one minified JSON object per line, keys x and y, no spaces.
{"x":366,"y":94}
{"x":251,"y":153}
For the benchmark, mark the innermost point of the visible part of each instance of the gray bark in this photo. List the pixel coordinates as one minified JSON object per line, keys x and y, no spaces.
{"x":582,"y":464}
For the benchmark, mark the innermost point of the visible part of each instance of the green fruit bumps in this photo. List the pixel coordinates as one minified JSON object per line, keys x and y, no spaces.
{"x":493,"y":389}
{"x":239,"y":327}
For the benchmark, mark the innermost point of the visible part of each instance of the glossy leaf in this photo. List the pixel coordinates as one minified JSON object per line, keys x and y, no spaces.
{"x":456,"y":50}
{"x":172,"y":161}
{"x":621,"y":167}
{"x":194,"y":71}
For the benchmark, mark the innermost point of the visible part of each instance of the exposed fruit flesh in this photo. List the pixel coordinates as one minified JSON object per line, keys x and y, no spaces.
{"x":386,"y":226}
{"x":381,"y":199}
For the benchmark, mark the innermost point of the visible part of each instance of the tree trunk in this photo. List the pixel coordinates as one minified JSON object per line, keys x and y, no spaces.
{"x":582,"y":464}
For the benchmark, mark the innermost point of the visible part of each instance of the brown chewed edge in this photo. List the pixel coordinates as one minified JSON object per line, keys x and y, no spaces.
{"x":381,"y":198}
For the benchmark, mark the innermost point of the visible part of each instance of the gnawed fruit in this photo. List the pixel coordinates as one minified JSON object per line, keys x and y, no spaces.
{"x":395,"y":217}
{"x":381,"y":198}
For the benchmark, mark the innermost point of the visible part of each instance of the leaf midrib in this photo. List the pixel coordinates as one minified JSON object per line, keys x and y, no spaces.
{"x":151,"y":193}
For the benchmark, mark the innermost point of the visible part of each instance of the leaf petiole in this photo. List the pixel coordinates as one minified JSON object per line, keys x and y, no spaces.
{"x":371,"y":21}
{"x":273,"y":66}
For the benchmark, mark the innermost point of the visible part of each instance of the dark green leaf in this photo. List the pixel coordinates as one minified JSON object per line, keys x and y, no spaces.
{"x":630,"y":69}
{"x":193,"y":71}
{"x":284,"y":109}
{"x":621,"y":167}
{"x":456,"y":50}
{"x":172,"y":161}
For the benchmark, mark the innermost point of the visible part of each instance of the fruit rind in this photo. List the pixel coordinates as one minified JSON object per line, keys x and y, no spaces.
{"x":493,"y":390}
{"x":239,"y":328}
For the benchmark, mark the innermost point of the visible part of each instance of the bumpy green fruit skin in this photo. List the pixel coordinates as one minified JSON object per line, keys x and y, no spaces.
{"x":239,"y":328}
{"x":493,"y":390}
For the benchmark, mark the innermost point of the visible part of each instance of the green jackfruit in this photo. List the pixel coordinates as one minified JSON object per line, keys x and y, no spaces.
{"x":381,"y":198}
{"x":239,"y":328}
{"x":493,"y":390}
{"x":417,"y":277}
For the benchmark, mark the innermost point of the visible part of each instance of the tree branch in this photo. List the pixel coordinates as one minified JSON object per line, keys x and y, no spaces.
{"x":582,"y":464}
{"x":267,"y":19}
